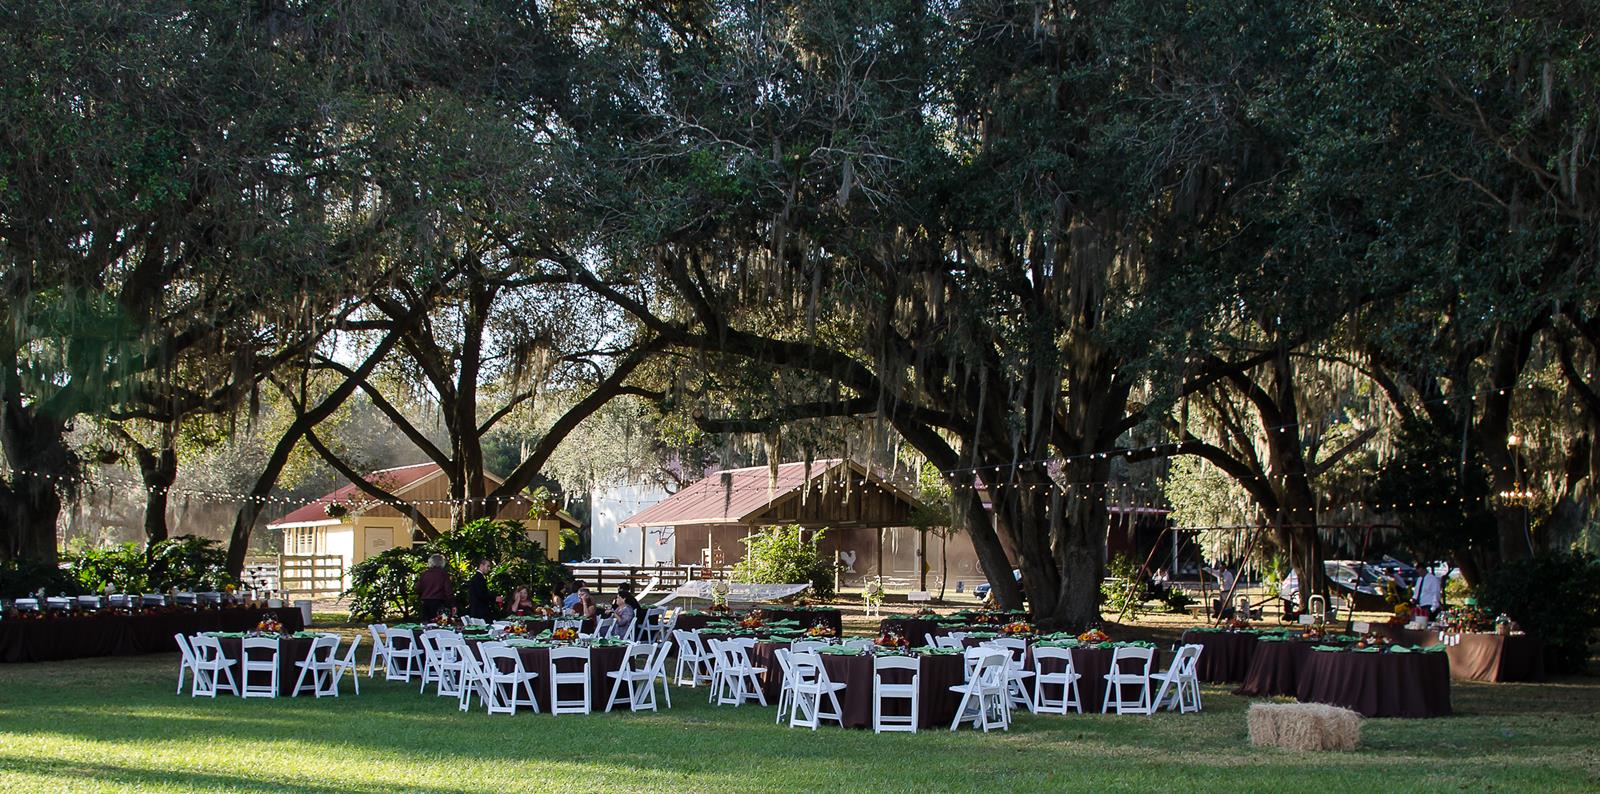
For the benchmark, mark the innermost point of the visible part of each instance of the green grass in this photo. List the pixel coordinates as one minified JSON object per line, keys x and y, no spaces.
{"x":115,"y":725}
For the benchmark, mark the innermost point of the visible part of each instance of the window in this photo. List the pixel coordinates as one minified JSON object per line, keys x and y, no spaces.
{"x":300,"y":540}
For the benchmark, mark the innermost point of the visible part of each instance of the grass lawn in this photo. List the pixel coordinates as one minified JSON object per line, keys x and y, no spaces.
{"x":115,"y":725}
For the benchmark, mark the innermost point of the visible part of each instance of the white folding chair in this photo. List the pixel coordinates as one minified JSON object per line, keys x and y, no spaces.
{"x":814,"y":692}
{"x":1016,"y":670}
{"x":185,"y":660}
{"x":320,"y":665}
{"x":738,"y":679}
{"x":635,"y":671}
{"x":258,"y":655}
{"x":692,"y":654}
{"x":380,"y":650}
{"x":898,"y":691}
{"x":558,"y":679}
{"x":930,"y":640}
{"x":950,"y":642}
{"x":1172,"y":691}
{"x":602,"y":628}
{"x":786,"y":691}
{"x":650,"y":628}
{"x":210,"y":668}
{"x":658,"y":671}
{"x":510,"y":684}
{"x":858,"y":644}
{"x":347,"y":664}
{"x":576,"y":624}
{"x":474,"y":681}
{"x":1130,"y":667}
{"x":1189,"y":676}
{"x":402,"y":655}
{"x":441,"y":652}
{"x":1053,"y":667}
{"x":807,"y":646}
{"x":984,"y":701}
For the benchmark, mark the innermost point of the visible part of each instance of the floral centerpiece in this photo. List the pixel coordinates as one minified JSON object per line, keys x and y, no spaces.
{"x":1371,"y":641}
{"x":442,"y":619}
{"x":820,"y":630}
{"x":754,"y":620}
{"x":925,"y":612}
{"x":1401,"y":616}
{"x":1094,"y":636}
{"x":1017,"y":628}
{"x":269,"y":625}
{"x":893,"y":639}
{"x":1237,"y":623}
{"x":987,"y":617}
{"x":564,"y":635}
{"x":517,"y":627}
{"x":873,"y":594}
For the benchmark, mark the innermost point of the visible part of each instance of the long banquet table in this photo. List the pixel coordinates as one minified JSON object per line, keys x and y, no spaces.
{"x":1226,"y":655}
{"x":110,"y":634}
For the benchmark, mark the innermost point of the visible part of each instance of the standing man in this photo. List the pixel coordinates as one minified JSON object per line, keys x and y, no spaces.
{"x":1430,"y":592}
{"x":433,"y":588}
{"x":479,"y":603}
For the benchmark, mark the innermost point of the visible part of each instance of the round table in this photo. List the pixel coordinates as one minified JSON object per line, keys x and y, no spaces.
{"x":601,"y":661}
{"x":1378,"y":684}
{"x":936,"y":703}
{"x":1275,"y":668}
{"x":291,"y":650}
{"x":1226,"y":654}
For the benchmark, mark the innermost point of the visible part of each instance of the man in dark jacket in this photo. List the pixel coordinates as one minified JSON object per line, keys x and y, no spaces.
{"x":433,"y":588}
{"x":479,"y":603}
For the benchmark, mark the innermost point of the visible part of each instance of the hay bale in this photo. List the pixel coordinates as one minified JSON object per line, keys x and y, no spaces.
{"x":1303,"y":726}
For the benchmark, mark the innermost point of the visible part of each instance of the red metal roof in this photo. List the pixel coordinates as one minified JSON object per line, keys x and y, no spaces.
{"x":394,"y":480}
{"x":728,"y":497}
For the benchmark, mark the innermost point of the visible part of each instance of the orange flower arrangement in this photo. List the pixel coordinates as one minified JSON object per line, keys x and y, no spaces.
{"x":1094,"y":635}
{"x":517,"y":627}
{"x":892,"y":639}
{"x":820,"y":630}
{"x":269,"y":624}
{"x":1019,"y":627}
{"x":1401,"y":616}
{"x":751,"y":621}
{"x":564,"y":635}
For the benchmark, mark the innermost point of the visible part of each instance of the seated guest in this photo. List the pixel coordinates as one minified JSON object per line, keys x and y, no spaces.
{"x":625,"y":608}
{"x":521,"y":603}
{"x":571,"y":598}
{"x":586,"y":607}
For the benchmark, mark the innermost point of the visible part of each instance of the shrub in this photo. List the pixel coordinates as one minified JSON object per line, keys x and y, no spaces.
{"x":384,"y":585}
{"x":188,"y":562}
{"x":122,"y":567}
{"x":23,"y":578}
{"x":1555,"y":597}
{"x":782,"y":555}
{"x":1124,"y":589}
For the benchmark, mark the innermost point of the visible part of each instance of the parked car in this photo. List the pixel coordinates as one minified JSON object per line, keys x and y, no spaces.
{"x":600,"y":561}
{"x":982,"y":590}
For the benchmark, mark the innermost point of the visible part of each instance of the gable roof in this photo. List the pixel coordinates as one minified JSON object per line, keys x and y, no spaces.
{"x":397,"y":480}
{"x":740,"y":496}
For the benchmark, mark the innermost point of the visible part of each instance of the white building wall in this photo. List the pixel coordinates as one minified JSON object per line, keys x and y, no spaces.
{"x":613,"y":505}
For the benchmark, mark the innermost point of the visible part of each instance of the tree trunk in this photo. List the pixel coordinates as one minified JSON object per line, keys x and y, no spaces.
{"x":158,"y":478}
{"x":43,"y":465}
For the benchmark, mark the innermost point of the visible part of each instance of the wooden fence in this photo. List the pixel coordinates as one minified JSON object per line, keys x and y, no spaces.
{"x":311,"y":574}
{"x":605,"y":578}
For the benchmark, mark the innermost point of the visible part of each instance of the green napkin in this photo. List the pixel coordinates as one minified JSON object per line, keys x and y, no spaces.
{"x":1399,"y":649}
{"x":226,"y":635}
{"x":1367,"y":650}
{"x":1326,"y":648}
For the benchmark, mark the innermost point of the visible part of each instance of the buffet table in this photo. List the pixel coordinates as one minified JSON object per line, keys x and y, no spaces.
{"x":49,"y":639}
{"x":1496,"y":657}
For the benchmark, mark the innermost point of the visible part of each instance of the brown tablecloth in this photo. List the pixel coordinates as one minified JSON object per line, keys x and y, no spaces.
{"x":1497,"y":657}
{"x":291,"y":650}
{"x":1378,"y":684}
{"x":1226,"y":654}
{"x":936,"y":704}
{"x":109,"y":634}
{"x":601,"y":661}
{"x":1275,"y":669}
